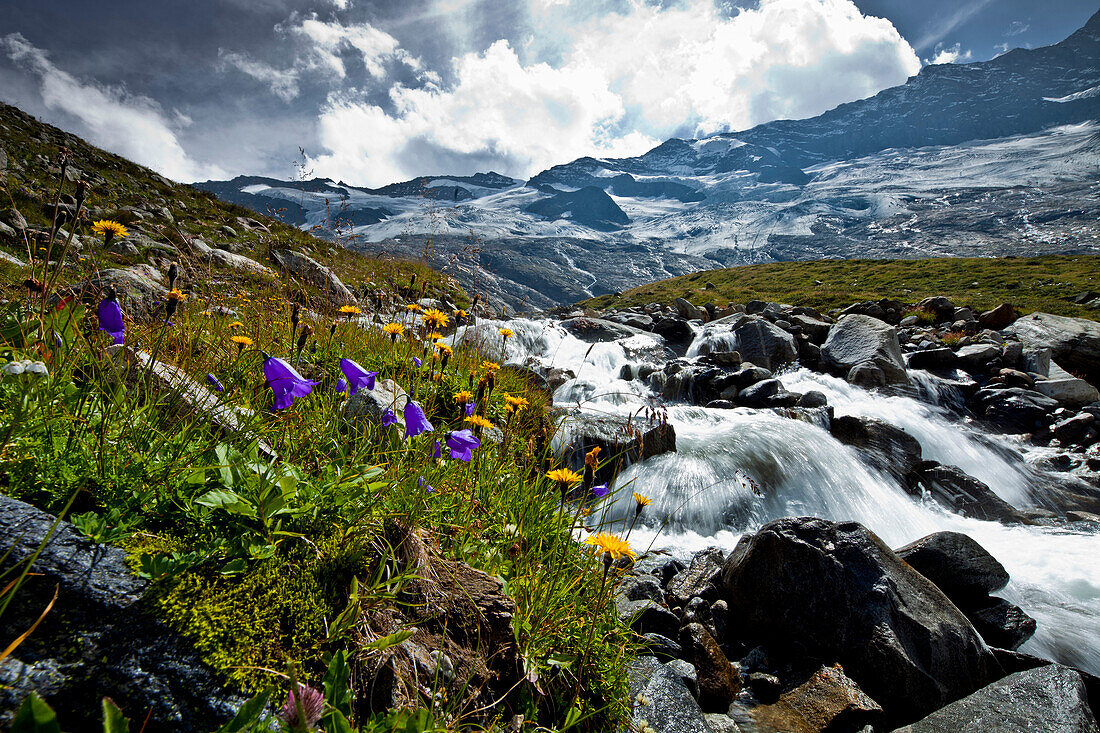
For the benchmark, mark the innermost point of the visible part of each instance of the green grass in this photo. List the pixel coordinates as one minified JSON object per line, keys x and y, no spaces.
{"x":1028,"y":283}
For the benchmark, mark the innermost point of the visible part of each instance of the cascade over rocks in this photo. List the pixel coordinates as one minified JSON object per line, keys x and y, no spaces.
{"x":886,"y":447}
{"x":952,"y":487}
{"x":622,"y":442}
{"x":836,"y":591}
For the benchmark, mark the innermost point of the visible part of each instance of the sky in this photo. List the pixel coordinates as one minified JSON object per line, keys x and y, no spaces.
{"x":378,"y":91}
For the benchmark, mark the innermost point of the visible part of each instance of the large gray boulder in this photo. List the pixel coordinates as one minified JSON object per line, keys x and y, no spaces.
{"x":1051,"y":699}
{"x":1074,"y":342}
{"x":757,"y":340}
{"x":856,"y":339}
{"x":663,"y":700}
{"x":370,"y":404}
{"x":837,"y":592}
{"x":315,"y":273}
{"x":238,"y":262}
{"x":886,"y":447}
{"x":956,"y":563}
{"x":140,"y":288}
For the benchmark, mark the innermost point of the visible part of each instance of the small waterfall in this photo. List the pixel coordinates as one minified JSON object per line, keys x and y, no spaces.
{"x":703,"y":495}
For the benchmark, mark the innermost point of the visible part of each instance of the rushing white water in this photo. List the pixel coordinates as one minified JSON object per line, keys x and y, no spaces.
{"x":703,"y":494}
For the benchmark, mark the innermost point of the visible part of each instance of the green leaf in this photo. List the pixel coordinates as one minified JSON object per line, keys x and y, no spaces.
{"x":248,"y":715}
{"x":336,"y":684}
{"x":113,"y":719}
{"x":34,"y":716}
{"x":227,"y":500}
{"x":387,"y":641}
{"x":234,"y":567}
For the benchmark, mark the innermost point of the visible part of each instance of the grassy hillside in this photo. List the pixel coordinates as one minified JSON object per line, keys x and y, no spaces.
{"x":1030,"y":284}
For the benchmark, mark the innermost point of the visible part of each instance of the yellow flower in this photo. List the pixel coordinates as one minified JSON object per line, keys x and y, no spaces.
{"x":350,"y":310}
{"x":591,"y":457}
{"x":435,"y":336}
{"x":478,"y":421}
{"x":642,"y":500}
{"x":105,"y":227}
{"x":393,"y":330}
{"x":460,"y":313}
{"x":506,"y":332}
{"x":463,"y":396}
{"x":436,"y":317}
{"x":617,"y":546}
{"x":444,"y":349}
{"x":241,"y":341}
{"x":176,"y":295}
{"x":235,"y":324}
{"x":413,"y":307}
{"x":563,"y":476}
{"x":489,"y":366}
{"x":514,"y":404}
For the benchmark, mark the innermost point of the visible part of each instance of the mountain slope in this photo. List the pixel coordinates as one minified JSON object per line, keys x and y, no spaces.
{"x":997,"y":157}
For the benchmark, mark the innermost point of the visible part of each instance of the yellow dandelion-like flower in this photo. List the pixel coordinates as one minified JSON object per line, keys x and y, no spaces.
{"x":642,"y":500}
{"x":241,"y":341}
{"x":591,"y":458}
{"x":350,"y":310}
{"x":393,"y":330}
{"x":563,"y":476}
{"x":515,"y":404}
{"x":444,"y":349}
{"x":413,"y":307}
{"x":489,"y":366}
{"x":176,"y":295}
{"x":460,"y":313}
{"x":463,"y":396}
{"x":479,"y":422}
{"x":436,"y":317}
{"x":617,"y":546}
{"x":235,"y":324}
{"x":435,"y":336}
{"x":106,"y":227}
{"x":506,"y":332}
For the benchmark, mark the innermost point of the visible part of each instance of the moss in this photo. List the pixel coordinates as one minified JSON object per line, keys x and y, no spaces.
{"x":250,"y":627}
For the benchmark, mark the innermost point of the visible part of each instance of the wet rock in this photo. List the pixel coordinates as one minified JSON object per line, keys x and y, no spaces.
{"x":886,"y":447}
{"x":622,"y":442}
{"x":963,"y":493}
{"x":598,"y":330}
{"x":856,"y":339}
{"x":719,"y":682}
{"x":661,"y":647}
{"x":315,"y":273}
{"x":828,"y":701}
{"x":1015,"y":410}
{"x":641,"y":588}
{"x":1052,"y":699}
{"x":99,"y":639}
{"x":647,"y":617}
{"x":761,"y":393}
{"x":697,"y":579}
{"x":977,"y":356}
{"x":1000,"y":623}
{"x":677,"y":333}
{"x":957,"y":564}
{"x":1073,"y":429}
{"x":667,"y":704}
{"x":837,"y":592}
{"x":1068,"y":390}
{"x":1074,"y":342}
{"x":813,"y":399}
{"x":941,"y":358}
{"x":867,"y":375}
{"x":763,"y":343}
{"x":815,"y":328}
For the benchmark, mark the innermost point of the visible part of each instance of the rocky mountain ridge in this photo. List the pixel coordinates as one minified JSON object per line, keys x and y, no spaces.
{"x":990,"y":158}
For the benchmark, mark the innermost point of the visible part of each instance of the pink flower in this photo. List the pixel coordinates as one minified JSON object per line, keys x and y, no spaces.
{"x":312,"y":703}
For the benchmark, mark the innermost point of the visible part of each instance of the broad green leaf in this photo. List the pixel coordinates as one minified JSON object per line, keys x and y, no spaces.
{"x":34,"y":716}
{"x":387,"y":641}
{"x":248,"y":715}
{"x":113,"y":719}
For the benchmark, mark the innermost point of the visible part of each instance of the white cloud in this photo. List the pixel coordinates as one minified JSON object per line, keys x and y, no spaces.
{"x":619,"y":84}
{"x":282,"y":82}
{"x":133,"y":126}
{"x":950,"y":55}
{"x":944,"y":24}
{"x":1017,"y":27}
{"x":327,"y":41}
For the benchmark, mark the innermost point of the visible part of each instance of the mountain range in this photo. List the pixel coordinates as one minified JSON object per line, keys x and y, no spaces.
{"x":991,"y":158}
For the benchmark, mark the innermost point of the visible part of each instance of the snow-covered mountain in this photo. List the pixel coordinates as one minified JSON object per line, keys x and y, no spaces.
{"x":992,"y":158}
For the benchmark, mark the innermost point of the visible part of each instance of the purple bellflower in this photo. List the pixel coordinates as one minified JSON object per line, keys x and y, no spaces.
{"x":110,"y":318}
{"x":416,"y":422}
{"x":286,"y":383}
{"x":341,"y":385}
{"x":462,"y":444}
{"x":417,"y":362}
{"x":215,"y":383}
{"x":388,"y":418}
{"x":470,"y":407}
{"x":437,"y":450}
{"x":358,"y":377}
{"x":600,"y":490}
